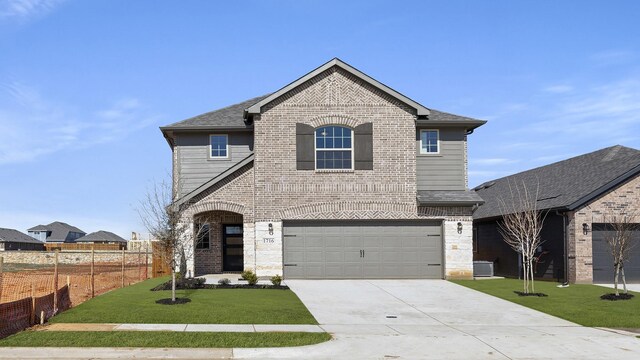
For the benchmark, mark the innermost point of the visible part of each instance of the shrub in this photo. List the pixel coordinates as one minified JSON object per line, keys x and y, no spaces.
{"x":250,"y":276}
{"x":224,"y":281}
{"x":193,"y":283}
{"x":276,"y":280}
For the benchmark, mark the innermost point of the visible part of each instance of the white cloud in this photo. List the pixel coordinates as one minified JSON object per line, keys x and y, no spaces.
{"x":23,"y":9}
{"x":33,"y":126}
{"x":493,"y":161}
{"x":558,"y":89}
{"x":612,"y":110}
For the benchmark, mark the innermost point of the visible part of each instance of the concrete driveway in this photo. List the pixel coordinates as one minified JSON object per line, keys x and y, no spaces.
{"x":435,"y":319}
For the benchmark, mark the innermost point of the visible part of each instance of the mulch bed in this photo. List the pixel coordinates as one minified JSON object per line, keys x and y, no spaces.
{"x":170,"y":302}
{"x":520,"y":293}
{"x":613,"y":297}
{"x":190,"y":284}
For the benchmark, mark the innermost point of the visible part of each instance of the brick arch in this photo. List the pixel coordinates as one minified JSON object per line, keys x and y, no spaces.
{"x":206,"y":206}
{"x":335,"y":119}
{"x":351,"y":210}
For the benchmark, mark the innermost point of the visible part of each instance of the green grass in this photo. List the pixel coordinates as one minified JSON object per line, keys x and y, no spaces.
{"x":580,"y":304}
{"x":136,"y":304}
{"x":161,"y":339}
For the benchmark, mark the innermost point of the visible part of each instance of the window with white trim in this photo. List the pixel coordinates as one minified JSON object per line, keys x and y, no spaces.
{"x":334,"y":148}
{"x":218,"y":146}
{"x":429,"y":141}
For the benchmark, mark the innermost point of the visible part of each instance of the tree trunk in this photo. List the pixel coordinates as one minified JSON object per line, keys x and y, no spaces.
{"x":624,"y":280}
{"x":533,"y":288}
{"x":173,"y":285}
{"x":615,"y":278}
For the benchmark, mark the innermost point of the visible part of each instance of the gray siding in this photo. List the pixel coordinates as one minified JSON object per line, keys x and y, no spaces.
{"x":194,"y":167}
{"x":446,"y":170}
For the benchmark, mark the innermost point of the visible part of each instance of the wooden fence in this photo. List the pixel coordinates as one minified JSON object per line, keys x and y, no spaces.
{"x":83,"y":246}
{"x":160,"y":264}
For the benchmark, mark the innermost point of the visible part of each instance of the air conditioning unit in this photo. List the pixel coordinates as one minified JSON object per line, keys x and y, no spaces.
{"x":482,"y":268}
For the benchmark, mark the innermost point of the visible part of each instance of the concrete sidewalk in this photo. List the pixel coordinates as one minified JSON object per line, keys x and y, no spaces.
{"x":183,"y":327}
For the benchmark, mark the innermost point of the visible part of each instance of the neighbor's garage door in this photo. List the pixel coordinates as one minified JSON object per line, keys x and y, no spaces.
{"x":359,"y":249}
{"x":603,"y":261}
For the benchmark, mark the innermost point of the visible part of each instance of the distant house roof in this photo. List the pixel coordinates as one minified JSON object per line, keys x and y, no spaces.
{"x":11,"y":235}
{"x":235,"y":116}
{"x":101,"y":236}
{"x":567,"y":184}
{"x":59,"y":230}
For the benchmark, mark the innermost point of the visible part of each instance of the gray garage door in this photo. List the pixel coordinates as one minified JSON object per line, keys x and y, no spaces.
{"x":603,"y":261}
{"x":358,"y":250}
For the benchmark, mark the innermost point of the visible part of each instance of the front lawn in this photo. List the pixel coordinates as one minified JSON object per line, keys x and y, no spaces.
{"x":580,"y":304}
{"x":136,"y":304}
{"x":161,"y":339}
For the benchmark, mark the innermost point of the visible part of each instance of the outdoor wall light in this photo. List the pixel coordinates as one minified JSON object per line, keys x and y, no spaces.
{"x":459,"y":228}
{"x":585,"y":228}
{"x":270,"y":229}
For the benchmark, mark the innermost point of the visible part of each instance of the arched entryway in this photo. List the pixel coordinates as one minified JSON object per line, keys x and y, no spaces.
{"x":218,"y":242}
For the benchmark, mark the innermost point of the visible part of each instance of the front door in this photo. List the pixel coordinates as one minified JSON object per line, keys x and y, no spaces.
{"x":232,"y":252}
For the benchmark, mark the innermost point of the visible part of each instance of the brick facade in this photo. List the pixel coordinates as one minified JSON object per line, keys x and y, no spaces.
{"x":625,"y":196}
{"x":271,"y":189}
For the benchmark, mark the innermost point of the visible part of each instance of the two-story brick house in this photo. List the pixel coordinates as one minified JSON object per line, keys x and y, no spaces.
{"x":333,"y":176}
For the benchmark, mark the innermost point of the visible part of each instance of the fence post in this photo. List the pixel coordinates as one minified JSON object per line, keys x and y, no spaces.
{"x":93,"y":288}
{"x":55,"y":283}
{"x":122,"y":267}
{"x":139,"y":265}
{"x":32,"y":317}
{"x":146,"y":262}
{"x":1,"y":276}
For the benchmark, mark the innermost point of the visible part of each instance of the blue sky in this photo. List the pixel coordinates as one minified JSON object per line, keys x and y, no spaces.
{"x":84,"y":85}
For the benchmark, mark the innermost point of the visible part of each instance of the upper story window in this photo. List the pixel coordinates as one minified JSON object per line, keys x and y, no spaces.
{"x":334,"y":148}
{"x":429,"y":142}
{"x":219,"y":146}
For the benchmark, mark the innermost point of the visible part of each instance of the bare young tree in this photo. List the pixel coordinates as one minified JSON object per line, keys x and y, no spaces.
{"x":621,"y":241}
{"x":168,"y":223}
{"x":521,"y":226}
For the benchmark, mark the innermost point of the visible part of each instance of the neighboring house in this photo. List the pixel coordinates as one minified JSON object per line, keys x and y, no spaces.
{"x":576,"y":194}
{"x":56,"y":232}
{"x":333,"y":176}
{"x":11,"y":239}
{"x":102,"y":237}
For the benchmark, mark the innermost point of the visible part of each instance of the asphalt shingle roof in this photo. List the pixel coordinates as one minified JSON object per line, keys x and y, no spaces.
{"x":11,"y":235}
{"x":564,"y":183}
{"x":101,"y":236}
{"x":233,"y":117}
{"x":230,"y":116}
{"x":437,"y":197}
{"x":59,"y":230}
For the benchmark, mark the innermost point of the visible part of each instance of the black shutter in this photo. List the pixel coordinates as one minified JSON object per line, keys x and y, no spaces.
{"x":363,"y":147}
{"x":305,"y":158}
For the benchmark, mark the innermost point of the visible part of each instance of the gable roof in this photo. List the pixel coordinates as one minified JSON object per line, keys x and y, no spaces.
{"x":238,"y":116}
{"x":12,"y":235}
{"x":567,"y":184}
{"x":255,"y":108}
{"x":197,"y":191}
{"x":101,"y":236}
{"x":59,"y":230}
